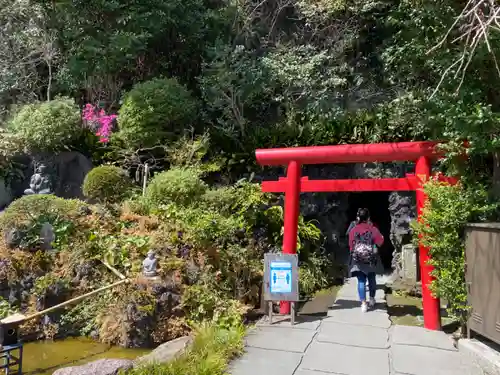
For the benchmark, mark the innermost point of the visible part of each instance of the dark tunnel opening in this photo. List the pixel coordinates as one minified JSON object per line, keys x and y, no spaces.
{"x":378,"y":205}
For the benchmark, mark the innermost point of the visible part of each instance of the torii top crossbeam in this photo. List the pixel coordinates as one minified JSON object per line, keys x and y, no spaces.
{"x":357,"y":153}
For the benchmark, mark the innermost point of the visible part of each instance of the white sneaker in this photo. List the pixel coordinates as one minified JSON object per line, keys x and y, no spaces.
{"x":372,"y":302}
{"x":364,"y":307}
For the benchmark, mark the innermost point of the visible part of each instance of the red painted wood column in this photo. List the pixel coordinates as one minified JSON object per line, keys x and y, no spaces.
{"x":291,"y":220}
{"x":432,"y":319}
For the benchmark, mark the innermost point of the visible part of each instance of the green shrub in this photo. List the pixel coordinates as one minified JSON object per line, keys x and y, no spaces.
{"x":47,"y":126}
{"x":9,"y":147}
{"x":212,"y":349}
{"x":178,"y":185}
{"x":221,"y":199}
{"x":203,"y":227}
{"x":5,"y":308}
{"x":81,"y":318}
{"x":25,"y":209}
{"x":313,"y":274}
{"x":136,"y":204}
{"x":209,"y":227}
{"x":447,"y":211}
{"x":28,"y":215}
{"x":154,"y":111}
{"x":203,"y":303}
{"x":107,"y":184}
{"x":48,"y":281}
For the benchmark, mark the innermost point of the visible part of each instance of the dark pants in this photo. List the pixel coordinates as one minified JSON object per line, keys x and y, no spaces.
{"x":372,"y":285}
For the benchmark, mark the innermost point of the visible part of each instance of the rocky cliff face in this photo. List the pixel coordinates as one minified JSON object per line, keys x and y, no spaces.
{"x":5,"y":194}
{"x":402,"y":207}
{"x":66,"y":170}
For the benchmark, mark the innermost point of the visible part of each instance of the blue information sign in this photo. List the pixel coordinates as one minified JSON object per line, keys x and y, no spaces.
{"x":281,"y":277}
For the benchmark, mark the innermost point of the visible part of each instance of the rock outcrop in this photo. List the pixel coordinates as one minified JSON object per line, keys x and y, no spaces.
{"x":99,"y":367}
{"x":67,"y":171}
{"x":5,"y":194}
{"x":165,"y":352}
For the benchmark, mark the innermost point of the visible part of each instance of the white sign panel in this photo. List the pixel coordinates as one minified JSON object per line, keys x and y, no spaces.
{"x":281,"y":277}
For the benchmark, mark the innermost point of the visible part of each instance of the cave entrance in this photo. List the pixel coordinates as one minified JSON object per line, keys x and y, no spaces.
{"x":378,"y":205}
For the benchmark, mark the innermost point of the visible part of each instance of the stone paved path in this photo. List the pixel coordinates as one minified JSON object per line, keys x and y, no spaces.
{"x":349,"y":342}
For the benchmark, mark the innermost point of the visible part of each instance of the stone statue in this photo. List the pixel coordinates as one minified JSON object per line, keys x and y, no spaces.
{"x":149,"y":265}
{"x":13,"y":238}
{"x":39,"y":183}
{"x":47,"y":236}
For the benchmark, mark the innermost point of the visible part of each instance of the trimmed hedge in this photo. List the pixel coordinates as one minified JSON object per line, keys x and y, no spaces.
{"x":155,"y":111}
{"x":107,"y":184}
{"x":22,"y":210}
{"x":47,"y":126}
{"x":177,"y":185}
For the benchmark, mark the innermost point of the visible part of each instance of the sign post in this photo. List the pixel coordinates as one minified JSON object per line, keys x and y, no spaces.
{"x":281,"y":281}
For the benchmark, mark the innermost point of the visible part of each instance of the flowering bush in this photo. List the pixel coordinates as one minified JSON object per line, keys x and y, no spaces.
{"x":98,"y":121}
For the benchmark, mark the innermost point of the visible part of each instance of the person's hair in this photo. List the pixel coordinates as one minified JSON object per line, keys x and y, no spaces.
{"x":363,"y":215}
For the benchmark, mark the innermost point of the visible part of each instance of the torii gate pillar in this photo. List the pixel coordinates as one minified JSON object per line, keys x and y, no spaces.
{"x":431,"y":305}
{"x":420,"y":152}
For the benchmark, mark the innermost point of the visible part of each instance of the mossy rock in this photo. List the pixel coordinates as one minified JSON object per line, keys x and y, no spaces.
{"x":107,"y":184}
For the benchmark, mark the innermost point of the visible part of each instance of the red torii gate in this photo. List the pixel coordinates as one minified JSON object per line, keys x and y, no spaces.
{"x":420,"y":152}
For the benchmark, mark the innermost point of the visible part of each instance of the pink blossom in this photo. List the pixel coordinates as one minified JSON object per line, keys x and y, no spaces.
{"x":97,"y":120}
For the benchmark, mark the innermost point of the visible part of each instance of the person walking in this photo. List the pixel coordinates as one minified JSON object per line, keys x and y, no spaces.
{"x":364,"y":238}
{"x":355,"y":222}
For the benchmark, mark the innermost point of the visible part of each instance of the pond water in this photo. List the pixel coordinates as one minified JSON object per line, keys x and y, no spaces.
{"x":44,"y":357}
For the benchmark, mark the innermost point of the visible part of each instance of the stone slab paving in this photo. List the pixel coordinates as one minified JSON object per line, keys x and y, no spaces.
{"x":304,"y":322}
{"x":354,"y":335}
{"x":341,"y":359}
{"x":416,"y":336}
{"x":350,"y":292}
{"x":357,"y":317}
{"x":419,"y":360}
{"x":275,"y":338}
{"x":261,"y":361}
{"x":349,"y":342}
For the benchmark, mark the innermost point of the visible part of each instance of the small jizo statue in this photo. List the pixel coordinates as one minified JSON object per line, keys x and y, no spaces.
{"x":150,"y":264}
{"x":39,"y":183}
{"x":47,"y":236}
